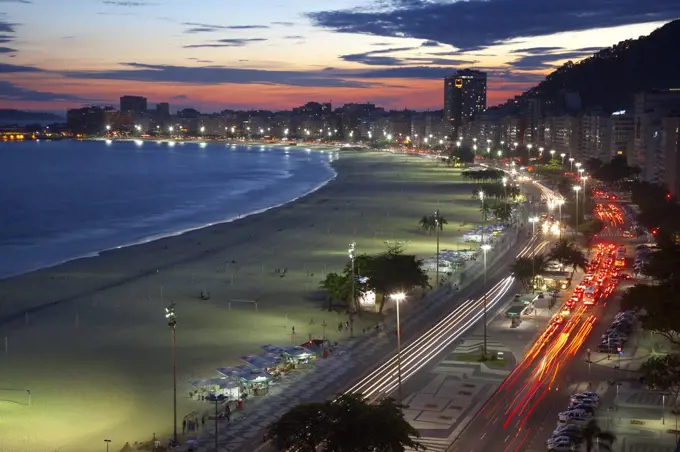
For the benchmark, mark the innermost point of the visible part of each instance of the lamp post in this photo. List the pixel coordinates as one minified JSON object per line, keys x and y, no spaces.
{"x":533,"y":221}
{"x":171,"y":318}
{"x":107,"y":441}
{"x":552,"y":154}
{"x":437,"y":226}
{"x":217,"y":399}
{"x":398,"y":298}
{"x":352,"y":256}
{"x":563,"y":155}
{"x":505,"y":187}
{"x":485,"y":248}
{"x":481,"y":198}
{"x":577,"y":188}
{"x":571,"y":162}
{"x":584,"y":179}
{"x":559,"y":204}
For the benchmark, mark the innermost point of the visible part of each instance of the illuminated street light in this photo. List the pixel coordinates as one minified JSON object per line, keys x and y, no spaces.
{"x":398,"y":298}
{"x":563,"y":155}
{"x":171,"y":318}
{"x":571,"y":162}
{"x":533,"y":221}
{"x":577,"y":188}
{"x":552,"y":153}
{"x":352,"y":256}
{"x":485,"y":248}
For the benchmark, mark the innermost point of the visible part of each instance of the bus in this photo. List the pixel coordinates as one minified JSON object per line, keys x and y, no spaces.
{"x":590,"y":295}
{"x":620,"y":257}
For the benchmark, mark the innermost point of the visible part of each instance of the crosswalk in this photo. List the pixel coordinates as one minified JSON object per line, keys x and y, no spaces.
{"x":434,"y":444}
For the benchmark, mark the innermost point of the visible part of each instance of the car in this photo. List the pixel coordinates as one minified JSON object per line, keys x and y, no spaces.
{"x":560,"y":441}
{"x":574,"y":416}
{"x":587,"y":407}
{"x":541,"y":295}
{"x":591,"y":394}
{"x":585,"y":398}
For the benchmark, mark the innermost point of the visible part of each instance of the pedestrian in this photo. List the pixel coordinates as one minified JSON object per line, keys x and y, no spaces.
{"x":228,"y":413}
{"x":184,"y":426}
{"x":203,"y":421}
{"x":339,"y":327}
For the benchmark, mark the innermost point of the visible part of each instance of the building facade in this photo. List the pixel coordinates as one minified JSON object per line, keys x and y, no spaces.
{"x":464,"y":97}
{"x":134,"y":105}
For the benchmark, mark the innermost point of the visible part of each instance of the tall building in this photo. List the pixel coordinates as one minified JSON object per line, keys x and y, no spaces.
{"x":464,"y":97}
{"x":162,"y":111}
{"x":87,"y":120}
{"x":135,"y":105}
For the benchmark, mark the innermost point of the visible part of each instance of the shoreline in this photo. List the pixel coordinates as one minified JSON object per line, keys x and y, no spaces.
{"x":101,"y":357}
{"x":161,"y":236}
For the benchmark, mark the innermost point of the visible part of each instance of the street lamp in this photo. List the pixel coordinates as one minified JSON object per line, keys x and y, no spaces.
{"x":352,"y":256}
{"x":437,"y":227}
{"x":533,"y":221}
{"x":485,"y":247}
{"x":560,"y":202}
{"x":552,"y":154}
{"x":577,"y":188}
{"x":505,"y":187}
{"x":398,"y":298}
{"x":202,"y":129}
{"x":217,"y":398}
{"x":571,"y":161}
{"x":584,"y":179}
{"x":107,"y":441}
{"x":563,"y":155}
{"x":171,"y":318}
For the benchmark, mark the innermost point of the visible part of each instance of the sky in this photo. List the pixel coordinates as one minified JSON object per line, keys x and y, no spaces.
{"x":276,"y":54}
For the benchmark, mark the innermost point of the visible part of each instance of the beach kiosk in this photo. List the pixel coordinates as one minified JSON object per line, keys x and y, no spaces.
{"x":251,"y":381}
{"x":214,"y":386}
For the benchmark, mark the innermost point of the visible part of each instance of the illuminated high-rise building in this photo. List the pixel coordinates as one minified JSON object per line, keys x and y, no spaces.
{"x":464,"y":97}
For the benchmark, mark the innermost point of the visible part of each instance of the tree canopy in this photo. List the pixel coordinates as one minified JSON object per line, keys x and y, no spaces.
{"x":592,"y":435}
{"x":566,"y":253}
{"x":526,"y":268}
{"x":663,"y":373}
{"x":346,"y":424}
{"x":479,"y":175}
{"x":590,"y":229}
{"x":430,"y":223}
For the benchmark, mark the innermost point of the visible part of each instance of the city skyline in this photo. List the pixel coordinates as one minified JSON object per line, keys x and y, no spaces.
{"x":270,"y":56}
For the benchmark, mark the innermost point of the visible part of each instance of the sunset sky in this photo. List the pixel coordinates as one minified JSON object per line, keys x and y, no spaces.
{"x":217,"y":54}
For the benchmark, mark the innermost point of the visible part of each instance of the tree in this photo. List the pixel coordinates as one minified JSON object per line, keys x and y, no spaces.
{"x":304,"y":428}
{"x":592,"y":434}
{"x":568,"y":255}
{"x":523,"y":271}
{"x":658,"y":309}
{"x":502,"y":211}
{"x":430,"y":223}
{"x":392,"y":271}
{"x":663,"y":373}
{"x":590,"y":229}
{"x":346,"y":424}
{"x":338,"y":287}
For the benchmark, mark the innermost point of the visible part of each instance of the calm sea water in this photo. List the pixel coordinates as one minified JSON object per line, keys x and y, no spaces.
{"x":67,"y":199}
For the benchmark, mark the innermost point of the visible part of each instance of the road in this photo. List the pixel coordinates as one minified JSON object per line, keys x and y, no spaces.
{"x":522,"y":413}
{"x":423,"y":341}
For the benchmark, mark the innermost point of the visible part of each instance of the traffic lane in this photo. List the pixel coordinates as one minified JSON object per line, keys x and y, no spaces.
{"x":577,"y":371}
{"x":495,"y":272}
{"x":512,"y":411}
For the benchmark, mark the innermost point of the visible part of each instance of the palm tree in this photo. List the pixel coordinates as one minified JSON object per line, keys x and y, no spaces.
{"x":593,"y":435}
{"x":522,"y":269}
{"x":338,"y":288}
{"x":567,"y":254}
{"x":502,"y":211}
{"x":427,"y":223}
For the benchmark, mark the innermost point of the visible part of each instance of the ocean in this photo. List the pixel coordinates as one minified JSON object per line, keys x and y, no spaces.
{"x":63,"y":200}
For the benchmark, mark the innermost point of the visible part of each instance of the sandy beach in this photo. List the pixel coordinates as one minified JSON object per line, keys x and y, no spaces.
{"x":95,"y":351}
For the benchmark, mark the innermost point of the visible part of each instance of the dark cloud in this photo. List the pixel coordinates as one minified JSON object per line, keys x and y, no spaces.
{"x":485,"y":23}
{"x":294,"y":37}
{"x":534,"y":62}
{"x":7,"y":50}
{"x":12,"y":92}
{"x":227,"y":42}
{"x":440,"y":61}
{"x":377,"y":57}
{"x":25,"y":2}
{"x":7,"y":27}
{"x":211,"y":75}
{"x":537,"y":50}
{"x":197,"y":27}
{"x":429,"y":44}
{"x":284,"y":24}
{"x":590,"y":49}
{"x":124,"y":3}
{"x":180,"y":97}
{"x":14,"y":69}
{"x":422,"y":72}
{"x":4,"y":39}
